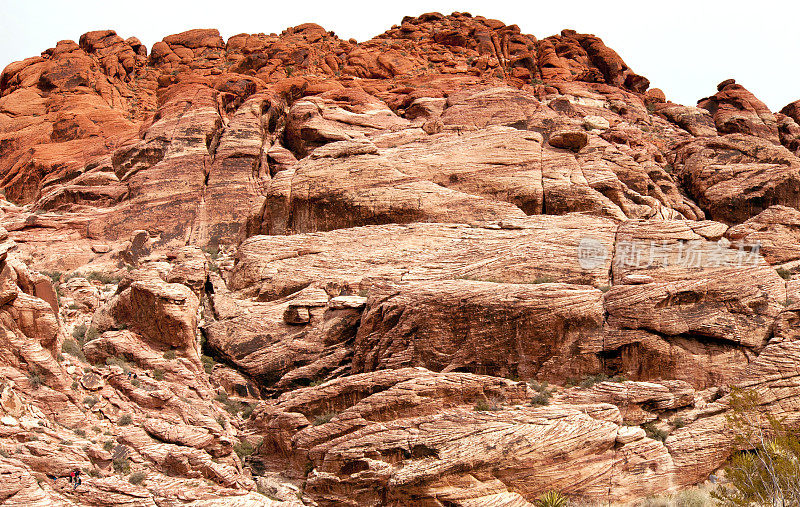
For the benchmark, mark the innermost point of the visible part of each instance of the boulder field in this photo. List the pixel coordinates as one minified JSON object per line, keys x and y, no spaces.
{"x":453,"y":265}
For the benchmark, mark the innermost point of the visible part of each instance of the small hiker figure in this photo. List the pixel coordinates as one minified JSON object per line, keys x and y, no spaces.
{"x":77,"y":483}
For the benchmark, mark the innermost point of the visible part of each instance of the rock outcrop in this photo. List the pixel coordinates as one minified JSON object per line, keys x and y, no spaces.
{"x":454,"y":264}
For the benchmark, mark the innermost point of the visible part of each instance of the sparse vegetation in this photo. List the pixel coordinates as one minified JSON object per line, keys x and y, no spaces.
{"x":767,"y":471}
{"x":79,"y":432}
{"x":72,"y":348}
{"x":91,"y":333}
{"x":678,"y":422}
{"x":118,"y":361}
{"x":121,"y":466}
{"x":244,"y":448}
{"x":108,"y":445}
{"x":208,"y":363}
{"x":102,"y":278}
{"x":544,"y":279}
{"x":35,"y":378}
{"x":125,"y":420}
{"x":487,"y":405}
{"x":551,"y":499}
{"x":652,"y":431}
{"x":247,"y":410}
{"x":79,"y":332}
{"x":784,"y":273}
{"x":170,"y":355}
{"x":158,"y":374}
{"x":324,"y":418}
{"x":543,"y":393}
{"x":137,"y":478}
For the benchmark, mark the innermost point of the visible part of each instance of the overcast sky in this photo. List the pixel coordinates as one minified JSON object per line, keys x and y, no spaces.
{"x":683,"y":47}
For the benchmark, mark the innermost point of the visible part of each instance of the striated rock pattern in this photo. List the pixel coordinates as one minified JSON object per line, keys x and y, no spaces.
{"x":452,"y":265}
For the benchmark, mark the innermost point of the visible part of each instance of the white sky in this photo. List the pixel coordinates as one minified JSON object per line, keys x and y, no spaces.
{"x":684,"y":47}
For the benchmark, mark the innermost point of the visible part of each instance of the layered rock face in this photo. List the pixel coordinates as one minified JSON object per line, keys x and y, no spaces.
{"x":452,"y":265}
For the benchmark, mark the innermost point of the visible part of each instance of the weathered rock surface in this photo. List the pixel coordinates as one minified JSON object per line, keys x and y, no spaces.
{"x":304,"y":268}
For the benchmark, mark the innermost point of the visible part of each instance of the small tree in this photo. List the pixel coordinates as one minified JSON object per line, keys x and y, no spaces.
{"x":767,"y":472}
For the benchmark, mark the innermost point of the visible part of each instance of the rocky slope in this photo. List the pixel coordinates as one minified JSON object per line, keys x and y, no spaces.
{"x":451,"y":265}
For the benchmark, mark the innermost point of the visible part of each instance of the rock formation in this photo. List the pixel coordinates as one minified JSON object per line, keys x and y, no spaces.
{"x":452,"y":265}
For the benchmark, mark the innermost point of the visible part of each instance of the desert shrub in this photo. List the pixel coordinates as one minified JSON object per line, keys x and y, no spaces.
{"x":135,"y":382}
{"x":108,"y":445}
{"x":784,"y":273}
{"x":323,"y":418}
{"x":158,"y":374}
{"x":91,"y":333}
{"x":679,"y":422}
{"x":72,"y":348}
{"x":55,"y":276}
{"x":551,"y":499}
{"x":767,"y":471}
{"x":543,"y":393}
{"x":79,"y":332}
{"x":122,"y":465}
{"x":208,"y":363}
{"x":103,"y":278}
{"x":36,"y":379}
{"x":654,"y":432}
{"x":544,"y":279}
{"x":692,"y":497}
{"x":487,"y":405}
{"x":247,"y":410}
{"x":79,"y":432}
{"x":137,"y":478}
{"x":170,"y":355}
{"x":244,"y":448}
{"x":118,"y":361}
{"x":125,"y":420}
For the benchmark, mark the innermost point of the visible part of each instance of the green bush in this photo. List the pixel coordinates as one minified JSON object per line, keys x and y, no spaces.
{"x":118,"y":361}
{"x":103,"y":278}
{"x":324,"y":418}
{"x":137,"y":478}
{"x":125,"y":420}
{"x":487,"y":405}
{"x":543,"y":393}
{"x":79,"y":332}
{"x":244,"y":448}
{"x":767,"y":472}
{"x":551,"y":499}
{"x":208,"y":363}
{"x":91,"y":333}
{"x":122,"y":465}
{"x":653,"y":432}
{"x":72,"y":348}
{"x":36,"y":379}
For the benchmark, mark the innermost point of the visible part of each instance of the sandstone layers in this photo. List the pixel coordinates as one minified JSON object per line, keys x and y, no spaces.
{"x":294,"y":269}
